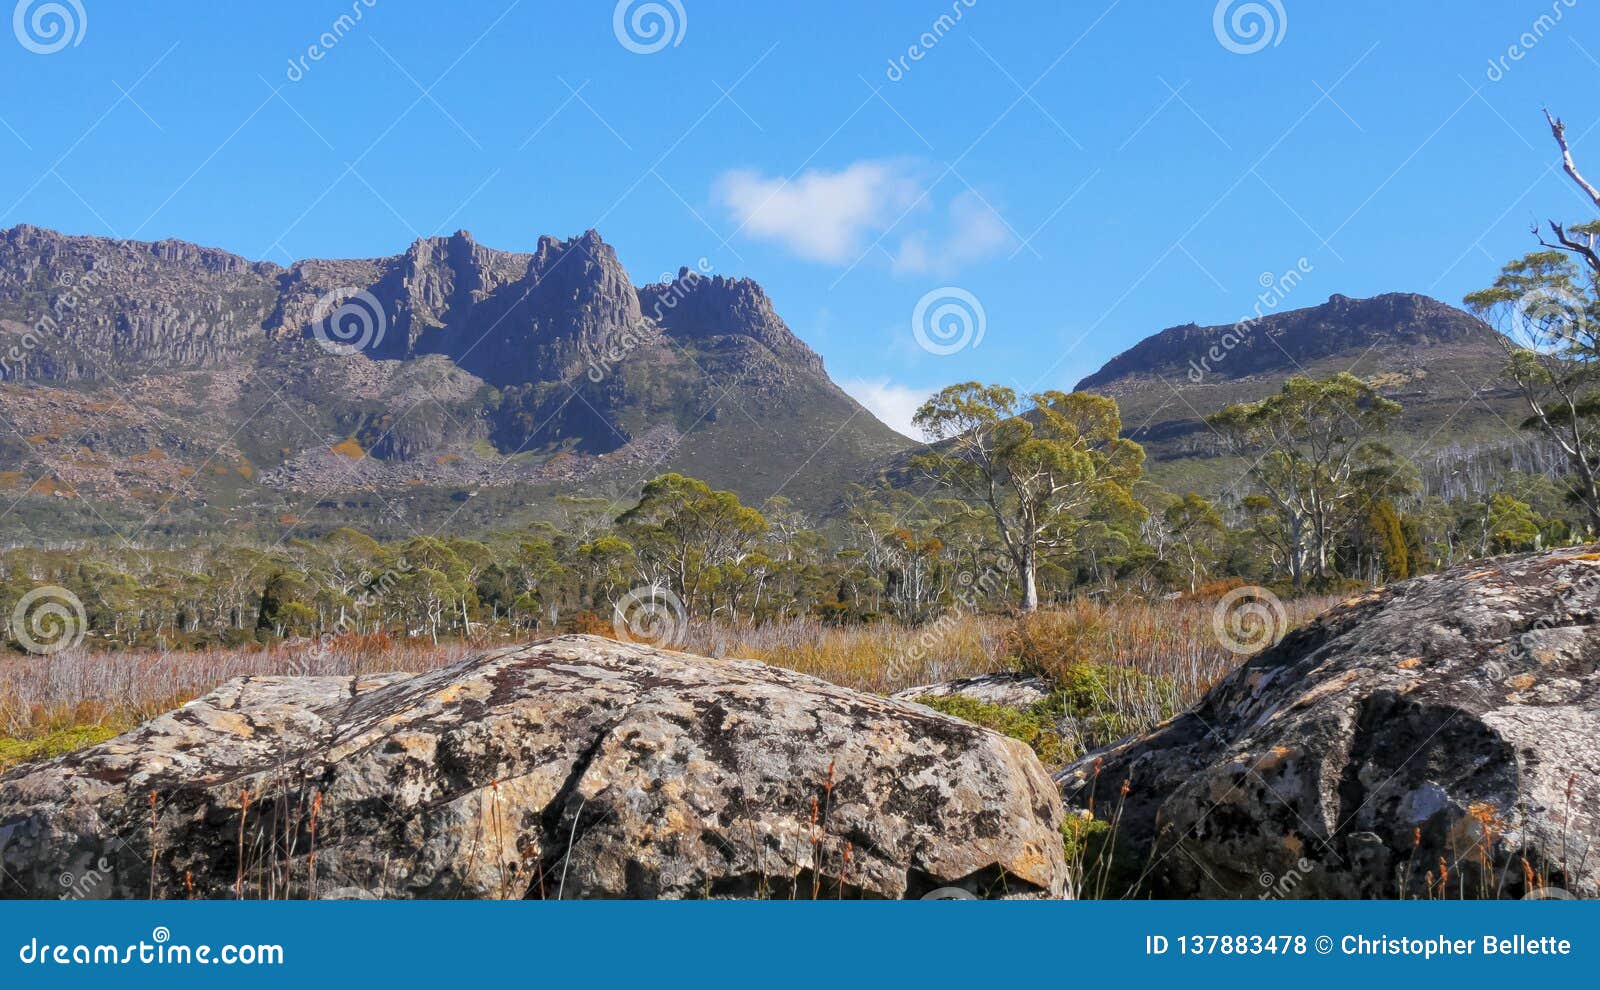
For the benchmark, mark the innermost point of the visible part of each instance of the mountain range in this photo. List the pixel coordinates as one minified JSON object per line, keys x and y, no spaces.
{"x":151,"y":388}
{"x":176,"y":387}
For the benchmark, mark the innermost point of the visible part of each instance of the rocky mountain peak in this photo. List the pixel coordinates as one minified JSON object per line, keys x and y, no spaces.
{"x":696,"y":304}
{"x":1283,"y":342}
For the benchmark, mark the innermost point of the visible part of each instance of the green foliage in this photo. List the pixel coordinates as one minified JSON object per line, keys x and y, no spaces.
{"x":1547,"y":306}
{"x":1091,"y":706}
{"x":1080,"y":833}
{"x":1029,"y":726}
{"x":282,"y":610}
{"x":1043,"y":469}
{"x":63,"y":740}
{"x":1317,"y":464}
{"x":1385,"y":539}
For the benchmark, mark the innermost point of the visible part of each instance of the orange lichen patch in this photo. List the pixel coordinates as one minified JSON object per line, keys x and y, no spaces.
{"x":349,"y":448}
{"x":413,"y":482}
{"x":12,"y":479}
{"x":1331,"y":686}
{"x":1523,"y":682}
{"x":1358,"y":599}
{"x":1410,"y":663}
{"x":246,"y":471}
{"x":153,"y":454}
{"x":1475,"y":575}
{"x":1585,"y":556}
{"x":187,"y":472}
{"x":1273,"y":759}
{"x":288,"y":520}
{"x":1293,"y":845}
{"x":219,"y":469}
{"x":447,"y":458}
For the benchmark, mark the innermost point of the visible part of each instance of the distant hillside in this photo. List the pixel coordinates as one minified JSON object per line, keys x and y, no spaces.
{"x":1440,"y":363}
{"x":169,"y":387}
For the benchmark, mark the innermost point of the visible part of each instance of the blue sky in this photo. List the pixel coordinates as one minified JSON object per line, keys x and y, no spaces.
{"x":1085,"y":172}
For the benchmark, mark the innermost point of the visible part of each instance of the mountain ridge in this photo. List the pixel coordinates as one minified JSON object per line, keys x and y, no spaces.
{"x":445,"y":368}
{"x":1441,"y":364}
{"x":1400,"y":318}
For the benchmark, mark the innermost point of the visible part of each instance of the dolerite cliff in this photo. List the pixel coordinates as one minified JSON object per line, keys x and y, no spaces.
{"x":1279,"y":340}
{"x":576,"y":768}
{"x":449,"y":371}
{"x":1442,"y":365}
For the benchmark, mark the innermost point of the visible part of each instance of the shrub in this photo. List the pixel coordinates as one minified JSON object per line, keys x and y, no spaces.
{"x":1032,"y":727}
{"x":64,"y":740}
{"x":1048,"y":643}
{"x":1093,"y":705}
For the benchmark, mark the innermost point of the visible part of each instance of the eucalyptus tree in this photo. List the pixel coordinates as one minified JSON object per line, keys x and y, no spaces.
{"x":1041,"y":466}
{"x":1547,"y":306}
{"x":1316,"y":462}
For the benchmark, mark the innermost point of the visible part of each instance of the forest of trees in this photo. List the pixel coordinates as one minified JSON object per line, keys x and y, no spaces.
{"x":1029,"y":501}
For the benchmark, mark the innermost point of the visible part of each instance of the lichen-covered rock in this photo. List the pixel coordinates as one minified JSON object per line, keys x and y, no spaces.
{"x":579,"y":767}
{"x":1012,"y":690}
{"x":1446,"y":727}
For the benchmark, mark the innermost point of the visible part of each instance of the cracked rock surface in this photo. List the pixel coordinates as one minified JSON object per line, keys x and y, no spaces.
{"x":577,"y":767}
{"x":1448,"y":725}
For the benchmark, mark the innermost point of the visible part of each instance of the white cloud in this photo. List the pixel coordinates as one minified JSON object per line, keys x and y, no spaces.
{"x":821,"y":215}
{"x":893,"y":404}
{"x":976,"y":232}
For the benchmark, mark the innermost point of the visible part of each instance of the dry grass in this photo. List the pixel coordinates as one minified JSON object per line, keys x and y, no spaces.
{"x":880,"y":658}
{"x":81,"y":694}
{"x":1173,"y":640}
{"x":42,"y":695}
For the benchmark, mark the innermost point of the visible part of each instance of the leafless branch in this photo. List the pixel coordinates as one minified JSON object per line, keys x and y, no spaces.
{"x":1559,"y":129}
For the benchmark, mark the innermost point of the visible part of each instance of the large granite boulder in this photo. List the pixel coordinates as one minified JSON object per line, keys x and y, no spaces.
{"x":1440,"y":737}
{"x":578,"y":767}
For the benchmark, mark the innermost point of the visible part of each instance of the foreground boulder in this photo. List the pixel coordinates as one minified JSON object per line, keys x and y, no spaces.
{"x":1440,"y":737}
{"x":579,"y":767}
